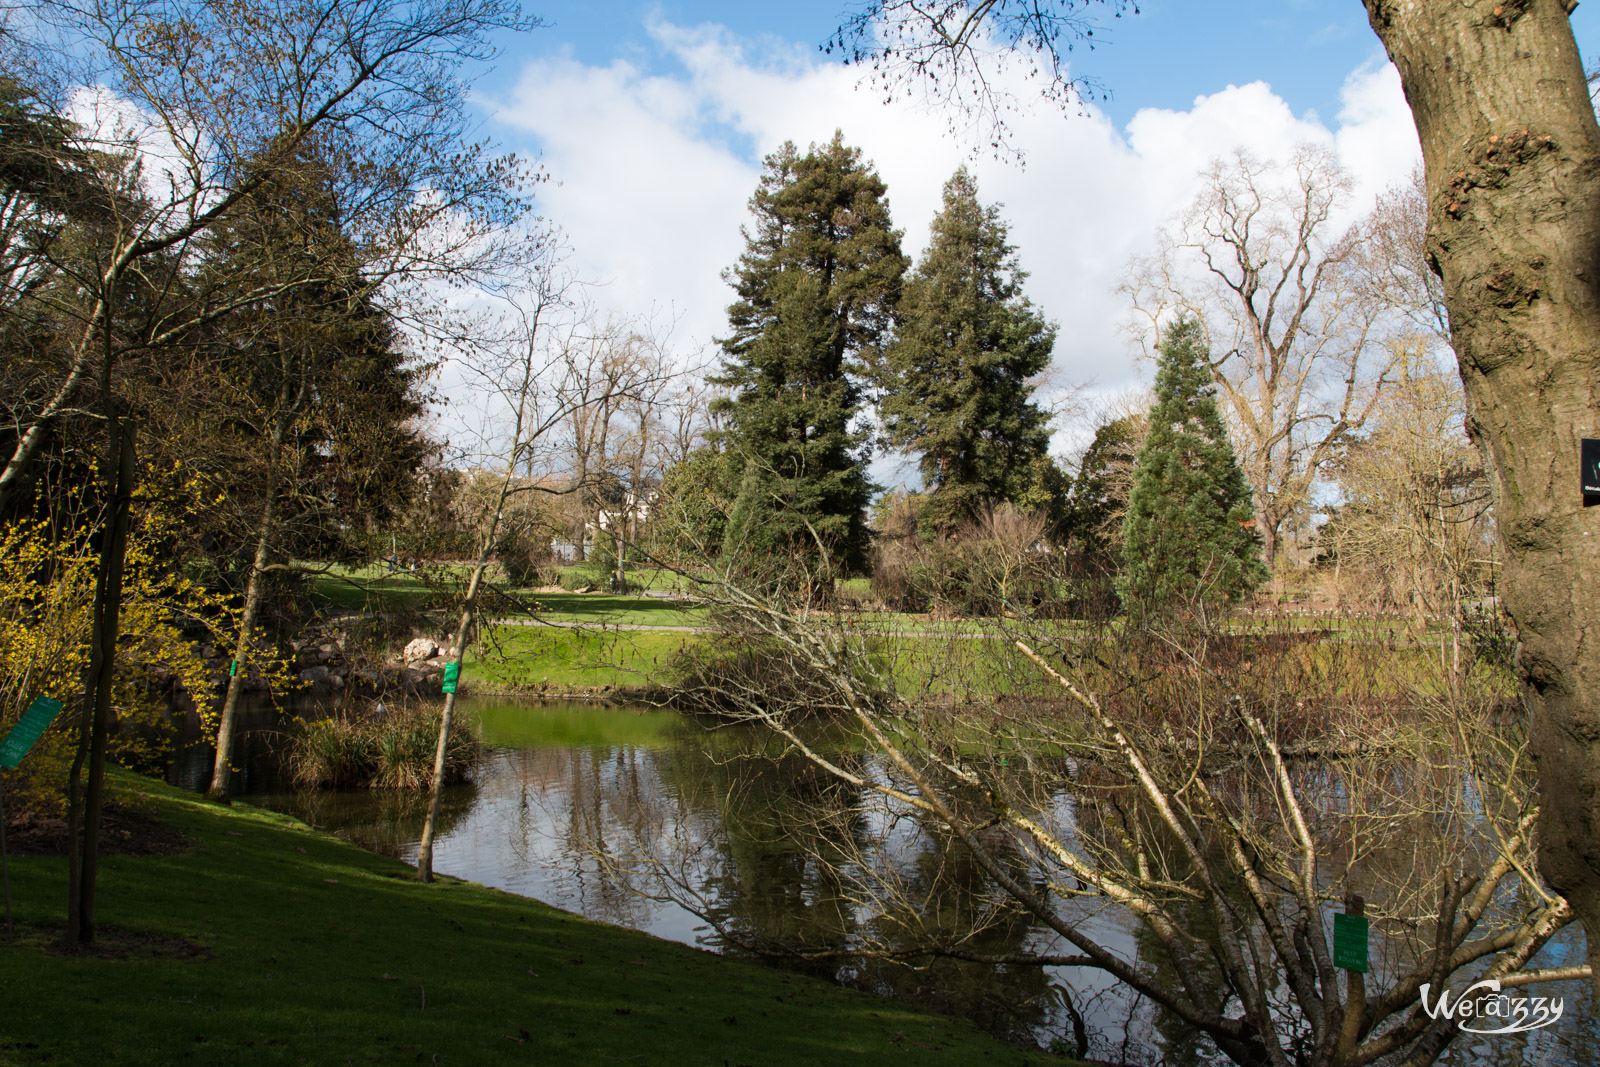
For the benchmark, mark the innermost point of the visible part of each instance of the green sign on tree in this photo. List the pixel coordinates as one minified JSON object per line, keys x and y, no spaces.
{"x":1350,"y":942}
{"x":452,"y":674}
{"x":40,"y":714}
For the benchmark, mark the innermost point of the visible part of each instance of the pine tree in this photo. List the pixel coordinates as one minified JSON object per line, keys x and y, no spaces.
{"x":1187,"y":540}
{"x":816,"y":284}
{"x":957,"y":380}
{"x":1100,"y":491}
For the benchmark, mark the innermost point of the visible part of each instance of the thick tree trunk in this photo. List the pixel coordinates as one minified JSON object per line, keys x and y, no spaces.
{"x":1267,"y":530}
{"x":1512,"y":154}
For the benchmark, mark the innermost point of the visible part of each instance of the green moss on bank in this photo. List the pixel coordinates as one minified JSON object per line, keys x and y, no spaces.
{"x":266,"y":942}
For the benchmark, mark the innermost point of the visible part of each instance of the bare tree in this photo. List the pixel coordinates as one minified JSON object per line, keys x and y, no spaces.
{"x":626,"y":370}
{"x":1504,"y":116}
{"x":1392,"y":256}
{"x":1290,"y":328}
{"x":1414,"y":518}
{"x":1175,"y":790}
{"x":686,"y":418}
{"x":540,"y":384}
{"x":642,"y":454}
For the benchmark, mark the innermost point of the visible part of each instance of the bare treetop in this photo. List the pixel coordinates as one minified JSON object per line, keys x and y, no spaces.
{"x":958,"y":51}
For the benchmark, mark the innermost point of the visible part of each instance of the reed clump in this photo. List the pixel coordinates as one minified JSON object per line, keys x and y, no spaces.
{"x":379,"y":747}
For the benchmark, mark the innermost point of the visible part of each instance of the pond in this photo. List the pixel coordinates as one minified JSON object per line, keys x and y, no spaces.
{"x":658,"y":821}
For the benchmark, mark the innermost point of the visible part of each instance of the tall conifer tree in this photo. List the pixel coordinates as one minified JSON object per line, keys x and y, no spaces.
{"x":1187,"y":540}
{"x":957,"y":380}
{"x":816,"y":285}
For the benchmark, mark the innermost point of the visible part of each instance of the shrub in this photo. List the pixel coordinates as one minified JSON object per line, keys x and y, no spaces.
{"x":47,"y":581}
{"x":991,"y":567}
{"x":379,"y":748}
{"x":528,"y":561}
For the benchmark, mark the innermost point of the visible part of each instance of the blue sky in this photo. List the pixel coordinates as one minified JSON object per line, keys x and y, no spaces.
{"x":1165,"y":56}
{"x":651,"y":120}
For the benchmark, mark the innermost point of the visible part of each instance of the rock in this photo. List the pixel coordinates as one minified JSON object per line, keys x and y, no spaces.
{"x":420,"y":649}
{"x":336,"y":681}
{"x":315,"y":675}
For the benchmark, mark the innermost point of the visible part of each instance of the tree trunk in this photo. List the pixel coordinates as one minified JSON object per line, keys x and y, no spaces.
{"x":1512,"y":155}
{"x":238,"y":672}
{"x":97,"y":696}
{"x":1267,"y":530}
{"x":447,"y":717}
{"x":446,"y":720}
{"x":223,"y":768}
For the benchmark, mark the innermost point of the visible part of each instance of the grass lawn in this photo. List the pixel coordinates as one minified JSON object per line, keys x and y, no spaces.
{"x":570,"y":659}
{"x":597,"y":608}
{"x":957,"y":657}
{"x":268,"y":943}
{"x":641,"y":575}
{"x":345,"y":589}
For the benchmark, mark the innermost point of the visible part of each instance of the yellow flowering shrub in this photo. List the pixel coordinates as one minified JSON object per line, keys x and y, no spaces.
{"x":47,"y":581}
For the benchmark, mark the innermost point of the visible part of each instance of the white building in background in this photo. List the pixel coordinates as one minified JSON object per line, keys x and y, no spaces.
{"x":626,"y":517}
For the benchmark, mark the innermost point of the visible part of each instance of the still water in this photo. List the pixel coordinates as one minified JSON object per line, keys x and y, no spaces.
{"x":713,"y":837}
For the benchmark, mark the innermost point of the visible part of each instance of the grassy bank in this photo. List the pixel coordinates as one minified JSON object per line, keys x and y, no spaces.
{"x":561,"y":659}
{"x":625,"y":641}
{"x":265,"y":942}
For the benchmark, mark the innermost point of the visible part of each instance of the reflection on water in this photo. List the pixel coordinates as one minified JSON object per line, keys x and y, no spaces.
{"x":653,"y":820}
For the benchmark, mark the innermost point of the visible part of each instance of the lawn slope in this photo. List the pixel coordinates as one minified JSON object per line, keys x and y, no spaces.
{"x":266,"y":942}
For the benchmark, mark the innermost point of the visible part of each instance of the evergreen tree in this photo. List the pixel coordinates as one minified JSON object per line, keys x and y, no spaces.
{"x":1100,"y":491}
{"x":1186,"y":538}
{"x":816,"y":284}
{"x":957,"y":377}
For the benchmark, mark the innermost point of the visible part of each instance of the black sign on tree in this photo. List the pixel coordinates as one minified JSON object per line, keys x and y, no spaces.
{"x":1589,"y":470}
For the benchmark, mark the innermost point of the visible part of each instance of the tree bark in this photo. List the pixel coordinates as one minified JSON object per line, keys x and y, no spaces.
{"x":447,"y":717}
{"x":97,"y":695}
{"x":222,"y":770}
{"x":1267,"y":530}
{"x":1512,"y":155}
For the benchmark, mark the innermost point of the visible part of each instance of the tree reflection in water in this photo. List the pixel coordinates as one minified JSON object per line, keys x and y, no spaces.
{"x":717,"y":837}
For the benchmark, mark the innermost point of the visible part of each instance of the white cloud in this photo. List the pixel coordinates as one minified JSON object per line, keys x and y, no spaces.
{"x":655,"y":170}
{"x":1376,"y":138}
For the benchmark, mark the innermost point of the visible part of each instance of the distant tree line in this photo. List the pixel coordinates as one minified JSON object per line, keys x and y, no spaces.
{"x":1301,"y":337}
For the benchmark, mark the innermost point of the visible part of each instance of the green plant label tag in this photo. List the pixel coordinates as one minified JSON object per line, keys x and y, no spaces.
{"x":452,"y":674}
{"x":233,"y":667}
{"x":40,"y":714}
{"x":1350,"y":942}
